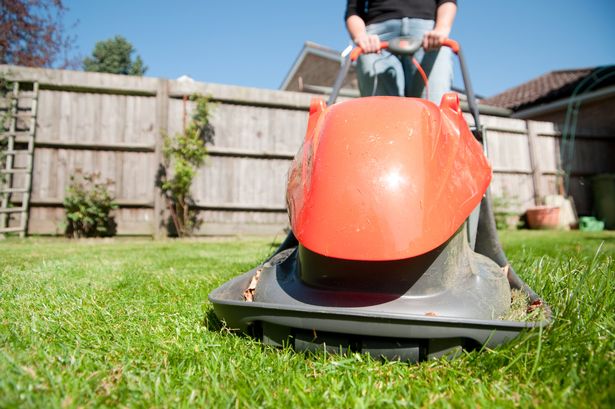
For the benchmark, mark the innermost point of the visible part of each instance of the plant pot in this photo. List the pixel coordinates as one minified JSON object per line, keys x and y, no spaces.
{"x":543,"y":217}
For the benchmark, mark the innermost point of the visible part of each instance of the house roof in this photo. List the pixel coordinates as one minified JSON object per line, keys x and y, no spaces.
{"x":552,"y":86}
{"x":316,"y":65}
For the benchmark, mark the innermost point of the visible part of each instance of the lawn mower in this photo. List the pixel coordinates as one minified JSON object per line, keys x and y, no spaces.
{"x":393,"y":249}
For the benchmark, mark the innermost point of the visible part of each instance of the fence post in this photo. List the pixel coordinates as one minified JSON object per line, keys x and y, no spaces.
{"x":162,"y":121}
{"x":532,"y":140}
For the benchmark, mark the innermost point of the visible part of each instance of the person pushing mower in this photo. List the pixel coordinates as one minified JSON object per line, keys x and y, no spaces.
{"x":371,"y":21}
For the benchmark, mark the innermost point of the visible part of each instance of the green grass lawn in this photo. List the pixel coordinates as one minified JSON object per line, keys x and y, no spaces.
{"x":127,"y":323}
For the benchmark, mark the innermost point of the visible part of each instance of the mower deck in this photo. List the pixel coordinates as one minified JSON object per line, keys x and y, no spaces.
{"x":288,"y":312}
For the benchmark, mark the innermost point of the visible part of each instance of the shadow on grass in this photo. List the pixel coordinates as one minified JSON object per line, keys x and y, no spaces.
{"x":610,"y":240}
{"x":560,"y":244}
{"x":211,"y":322}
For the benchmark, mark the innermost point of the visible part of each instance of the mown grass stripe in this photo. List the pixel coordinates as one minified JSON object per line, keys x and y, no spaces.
{"x":108,"y":323}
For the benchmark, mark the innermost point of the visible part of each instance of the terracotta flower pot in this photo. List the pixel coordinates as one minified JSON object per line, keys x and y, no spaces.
{"x":543,"y":217}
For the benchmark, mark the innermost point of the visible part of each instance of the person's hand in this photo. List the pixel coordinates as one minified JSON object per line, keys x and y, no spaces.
{"x":433,"y":39}
{"x":369,"y":43}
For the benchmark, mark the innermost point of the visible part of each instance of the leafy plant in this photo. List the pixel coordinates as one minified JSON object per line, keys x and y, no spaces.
{"x":505,"y":212}
{"x":88,"y":204}
{"x":183,"y":154}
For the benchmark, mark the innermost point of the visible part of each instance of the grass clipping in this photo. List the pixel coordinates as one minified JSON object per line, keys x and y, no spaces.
{"x":521,"y":309}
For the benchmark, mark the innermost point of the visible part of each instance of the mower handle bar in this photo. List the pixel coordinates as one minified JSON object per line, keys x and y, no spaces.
{"x":408,"y":46}
{"x":404,"y":46}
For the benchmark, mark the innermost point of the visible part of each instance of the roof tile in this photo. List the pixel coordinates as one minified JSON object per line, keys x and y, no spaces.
{"x":537,"y":89}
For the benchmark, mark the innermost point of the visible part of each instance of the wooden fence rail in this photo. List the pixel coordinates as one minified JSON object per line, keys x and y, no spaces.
{"x":114,"y":125}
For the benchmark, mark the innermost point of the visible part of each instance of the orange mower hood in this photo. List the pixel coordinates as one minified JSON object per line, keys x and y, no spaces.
{"x":384,"y":178}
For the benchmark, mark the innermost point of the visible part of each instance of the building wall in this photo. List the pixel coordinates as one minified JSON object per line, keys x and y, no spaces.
{"x":595,"y":118}
{"x":588,"y":148}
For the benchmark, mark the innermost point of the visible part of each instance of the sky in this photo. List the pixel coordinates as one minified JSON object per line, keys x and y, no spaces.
{"x":255,"y":43}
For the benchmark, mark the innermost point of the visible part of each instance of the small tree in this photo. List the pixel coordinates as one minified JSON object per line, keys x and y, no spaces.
{"x":32,"y":33}
{"x":88,"y":204}
{"x":183,"y":154}
{"x":114,"y":56}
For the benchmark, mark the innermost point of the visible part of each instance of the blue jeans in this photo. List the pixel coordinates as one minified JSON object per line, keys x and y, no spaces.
{"x":397,"y":76}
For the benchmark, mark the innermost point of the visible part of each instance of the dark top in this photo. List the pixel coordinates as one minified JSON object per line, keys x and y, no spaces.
{"x":375,"y":11}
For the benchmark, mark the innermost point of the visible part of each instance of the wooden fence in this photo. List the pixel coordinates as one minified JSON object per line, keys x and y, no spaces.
{"x":114,"y":125}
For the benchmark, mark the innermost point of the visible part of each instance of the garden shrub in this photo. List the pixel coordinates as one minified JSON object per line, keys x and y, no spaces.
{"x":89,"y":205}
{"x":505,"y":212}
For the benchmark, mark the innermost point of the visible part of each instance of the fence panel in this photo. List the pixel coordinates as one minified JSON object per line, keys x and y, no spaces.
{"x":114,"y":125}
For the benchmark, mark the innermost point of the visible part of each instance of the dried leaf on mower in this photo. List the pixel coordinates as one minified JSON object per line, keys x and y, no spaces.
{"x":533,"y":306}
{"x":505,"y":269}
{"x":248,"y":294}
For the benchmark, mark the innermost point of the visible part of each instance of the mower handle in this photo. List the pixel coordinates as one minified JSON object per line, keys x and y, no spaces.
{"x":403,"y":46}
{"x":408,"y":46}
